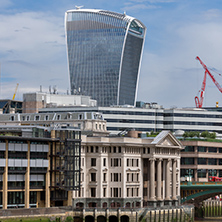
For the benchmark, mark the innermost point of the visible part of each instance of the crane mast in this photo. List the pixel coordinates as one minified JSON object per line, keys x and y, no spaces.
{"x":16,"y":88}
{"x":199,"y":101}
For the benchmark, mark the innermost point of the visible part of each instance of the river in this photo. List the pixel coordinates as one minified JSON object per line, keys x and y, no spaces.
{"x":219,"y":219}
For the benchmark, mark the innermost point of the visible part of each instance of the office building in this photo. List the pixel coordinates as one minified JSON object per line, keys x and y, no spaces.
{"x":104,"y":55}
{"x":201,"y":159}
{"x":39,"y":166}
{"x":32,"y":102}
{"x":192,"y":119}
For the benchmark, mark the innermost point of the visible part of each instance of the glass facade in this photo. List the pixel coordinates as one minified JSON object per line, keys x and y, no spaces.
{"x":104,"y":52}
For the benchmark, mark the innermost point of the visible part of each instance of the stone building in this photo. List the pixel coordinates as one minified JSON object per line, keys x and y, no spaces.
{"x":129,"y":172}
{"x":90,"y":123}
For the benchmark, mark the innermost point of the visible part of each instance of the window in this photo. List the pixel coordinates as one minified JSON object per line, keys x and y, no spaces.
{"x":187,"y":161}
{"x":189,"y":149}
{"x":37,"y":118}
{"x":119,"y":149}
{"x":58,"y":117}
{"x":127,"y":162}
{"x":127,"y":177}
{"x":115,"y":191}
{"x":201,"y":173}
{"x":93,"y":177}
{"x":137,"y":162}
{"x":97,"y":149}
{"x":115,"y":177}
{"x":104,"y":161}
{"x":12,"y":118}
{"x":93,"y":192}
{"x":116,"y":160}
{"x":202,"y":161}
{"x":91,"y":149}
{"x":212,"y":161}
{"x":104,"y":192}
{"x":201,"y":149}
{"x":114,"y":149}
{"x":212,"y":149}
{"x":127,"y":192}
{"x":93,"y":161}
{"x":104,"y":177}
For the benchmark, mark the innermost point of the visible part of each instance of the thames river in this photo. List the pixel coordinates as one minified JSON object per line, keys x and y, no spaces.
{"x":210,"y":220}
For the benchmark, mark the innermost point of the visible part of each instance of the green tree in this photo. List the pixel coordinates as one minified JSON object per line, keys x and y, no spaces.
{"x":204,"y":134}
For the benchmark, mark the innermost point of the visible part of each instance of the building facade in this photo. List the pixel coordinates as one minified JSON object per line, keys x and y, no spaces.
{"x":90,"y":123}
{"x":122,"y":118}
{"x":39,"y":166}
{"x":104,"y":55}
{"x":201,"y":159}
{"x":129,"y":172}
{"x":32,"y":102}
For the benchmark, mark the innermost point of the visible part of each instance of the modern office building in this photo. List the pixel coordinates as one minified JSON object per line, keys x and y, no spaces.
{"x":32,"y":102}
{"x":192,"y":119}
{"x":104,"y":55}
{"x":201,"y":159}
{"x":39,"y":166}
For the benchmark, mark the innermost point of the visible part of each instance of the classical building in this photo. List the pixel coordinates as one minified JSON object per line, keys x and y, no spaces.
{"x":201,"y":159}
{"x":121,"y":118}
{"x":129,"y":172}
{"x":39,"y":166}
{"x":90,"y":123}
{"x":104,"y":55}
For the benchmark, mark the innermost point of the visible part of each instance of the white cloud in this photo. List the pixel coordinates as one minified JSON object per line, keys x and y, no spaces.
{"x":173,"y":76}
{"x":32,"y":52}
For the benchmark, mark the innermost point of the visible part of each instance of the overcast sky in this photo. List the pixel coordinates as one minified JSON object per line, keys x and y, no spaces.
{"x":33,"y":48}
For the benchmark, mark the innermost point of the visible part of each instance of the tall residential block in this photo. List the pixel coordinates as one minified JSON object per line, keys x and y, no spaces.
{"x":104,"y":55}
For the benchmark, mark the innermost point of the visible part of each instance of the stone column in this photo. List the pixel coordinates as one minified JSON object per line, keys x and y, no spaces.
{"x":174,"y":182}
{"x":5,"y":179}
{"x":168,"y":179}
{"x":159,"y":176}
{"x":152,"y":179}
{"x":27,"y":178}
{"x":47,"y":181}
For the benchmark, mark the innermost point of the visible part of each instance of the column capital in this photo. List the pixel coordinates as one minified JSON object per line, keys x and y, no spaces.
{"x":160,"y":159}
{"x":152,"y":159}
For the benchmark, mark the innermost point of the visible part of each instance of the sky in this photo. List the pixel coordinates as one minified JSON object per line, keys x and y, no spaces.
{"x":33,"y":47}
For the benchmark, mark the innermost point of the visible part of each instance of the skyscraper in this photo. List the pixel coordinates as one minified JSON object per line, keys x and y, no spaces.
{"x":104,"y":55}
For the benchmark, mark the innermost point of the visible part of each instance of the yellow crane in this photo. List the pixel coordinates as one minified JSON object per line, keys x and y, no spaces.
{"x":16,"y":88}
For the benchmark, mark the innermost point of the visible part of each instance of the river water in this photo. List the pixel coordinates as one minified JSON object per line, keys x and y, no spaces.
{"x":219,"y":219}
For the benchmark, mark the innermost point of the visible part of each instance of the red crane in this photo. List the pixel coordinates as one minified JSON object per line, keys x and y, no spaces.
{"x":199,"y":101}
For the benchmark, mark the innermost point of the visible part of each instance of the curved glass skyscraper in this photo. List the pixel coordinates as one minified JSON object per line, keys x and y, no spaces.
{"x":104,"y":54}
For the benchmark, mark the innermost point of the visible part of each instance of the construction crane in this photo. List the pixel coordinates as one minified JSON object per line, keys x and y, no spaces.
{"x":199,"y":101}
{"x":16,"y":88}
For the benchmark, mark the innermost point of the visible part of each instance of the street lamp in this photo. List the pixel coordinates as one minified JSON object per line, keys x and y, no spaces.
{"x":190,"y":173}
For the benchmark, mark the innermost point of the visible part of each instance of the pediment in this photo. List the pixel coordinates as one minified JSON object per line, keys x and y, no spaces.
{"x":167,"y":139}
{"x":92,"y":169}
